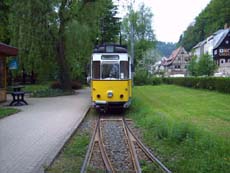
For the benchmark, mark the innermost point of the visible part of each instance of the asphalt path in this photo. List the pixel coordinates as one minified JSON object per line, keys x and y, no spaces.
{"x":30,"y":139}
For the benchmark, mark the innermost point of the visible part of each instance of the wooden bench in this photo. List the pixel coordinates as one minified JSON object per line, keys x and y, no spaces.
{"x":18,"y":98}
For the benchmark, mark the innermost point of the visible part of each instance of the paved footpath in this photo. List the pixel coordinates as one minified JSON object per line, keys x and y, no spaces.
{"x":30,"y":139}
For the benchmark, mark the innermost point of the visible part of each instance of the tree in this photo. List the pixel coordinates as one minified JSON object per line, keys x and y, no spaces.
{"x":109,"y":23}
{"x":144,"y":37}
{"x":4,"y":12}
{"x":193,"y":66}
{"x":56,"y":38}
{"x":206,"y":65}
{"x":29,"y":23}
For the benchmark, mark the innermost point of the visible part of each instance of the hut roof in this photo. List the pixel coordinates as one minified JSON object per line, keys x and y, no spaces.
{"x":8,"y":50}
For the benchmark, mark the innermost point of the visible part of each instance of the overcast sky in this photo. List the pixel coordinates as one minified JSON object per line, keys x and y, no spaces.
{"x":172,"y":17}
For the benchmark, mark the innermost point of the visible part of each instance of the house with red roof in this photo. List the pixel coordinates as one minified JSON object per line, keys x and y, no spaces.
{"x":5,"y":51}
{"x":177,"y":63}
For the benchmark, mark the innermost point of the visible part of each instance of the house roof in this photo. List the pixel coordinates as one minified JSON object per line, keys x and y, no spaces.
{"x":8,"y":50}
{"x":221,"y":36}
{"x":199,"y":44}
{"x":173,"y":56}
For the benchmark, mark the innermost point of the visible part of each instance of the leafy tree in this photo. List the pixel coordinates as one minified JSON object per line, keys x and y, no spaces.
{"x":4,"y":12}
{"x":165,"y":49}
{"x":144,"y":37}
{"x":110,"y":25}
{"x":193,"y":66}
{"x":28,"y":28}
{"x":206,"y":65}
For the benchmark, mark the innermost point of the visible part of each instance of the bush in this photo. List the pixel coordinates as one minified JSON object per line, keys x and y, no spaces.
{"x":57,"y":85}
{"x":219,"y":84}
{"x":142,"y":78}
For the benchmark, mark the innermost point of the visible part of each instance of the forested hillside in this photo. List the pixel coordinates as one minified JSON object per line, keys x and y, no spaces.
{"x":165,"y":49}
{"x":212,"y":18}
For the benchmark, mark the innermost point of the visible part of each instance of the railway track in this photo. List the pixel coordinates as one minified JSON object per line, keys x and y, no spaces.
{"x":115,"y":148}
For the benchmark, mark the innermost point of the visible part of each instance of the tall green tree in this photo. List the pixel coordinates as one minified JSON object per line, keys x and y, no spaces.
{"x":4,"y":15}
{"x":193,"y":66}
{"x":144,"y":37}
{"x":109,"y":23}
{"x":204,"y":66}
{"x":29,"y":31}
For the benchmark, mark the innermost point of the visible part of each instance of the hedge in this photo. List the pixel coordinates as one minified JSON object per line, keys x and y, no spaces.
{"x":219,"y":84}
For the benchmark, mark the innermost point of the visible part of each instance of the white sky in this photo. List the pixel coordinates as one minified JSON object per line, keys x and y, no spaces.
{"x":172,"y":17}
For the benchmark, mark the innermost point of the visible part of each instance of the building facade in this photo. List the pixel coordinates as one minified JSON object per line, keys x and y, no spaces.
{"x":177,"y":63}
{"x":218,"y":46}
{"x":221,"y":53}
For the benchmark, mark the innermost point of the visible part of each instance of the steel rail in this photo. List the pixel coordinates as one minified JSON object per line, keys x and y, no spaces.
{"x":135,"y":160}
{"x":147,"y":152}
{"x":90,"y":149}
{"x":107,"y":163}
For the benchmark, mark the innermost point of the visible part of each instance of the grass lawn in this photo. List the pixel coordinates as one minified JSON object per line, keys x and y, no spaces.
{"x":7,"y":111}
{"x":188,"y":129}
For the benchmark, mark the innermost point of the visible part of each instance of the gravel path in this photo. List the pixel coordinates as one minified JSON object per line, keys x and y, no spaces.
{"x":116,"y":145}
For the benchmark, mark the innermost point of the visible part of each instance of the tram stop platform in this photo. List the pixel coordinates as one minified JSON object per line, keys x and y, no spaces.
{"x":30,"y":139}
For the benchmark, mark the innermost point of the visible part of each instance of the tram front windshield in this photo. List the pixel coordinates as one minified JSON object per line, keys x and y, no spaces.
{"x":110,"y":70}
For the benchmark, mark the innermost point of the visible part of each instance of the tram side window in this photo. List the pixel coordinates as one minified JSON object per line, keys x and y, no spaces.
{"x":96,"y":70}
{"x":124,"y":74}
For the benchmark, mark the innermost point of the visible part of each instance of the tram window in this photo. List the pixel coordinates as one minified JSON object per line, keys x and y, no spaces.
{"x":96,"y":70}
{"x":124,"y":70}
{"x":110,"y":70}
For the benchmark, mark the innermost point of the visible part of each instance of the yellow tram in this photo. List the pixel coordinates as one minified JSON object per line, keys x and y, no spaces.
{"x":111,"y":77}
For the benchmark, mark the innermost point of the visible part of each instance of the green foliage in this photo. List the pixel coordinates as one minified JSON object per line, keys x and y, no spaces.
{"x":29,"y":31}
{"x":144,"y":37}
{"x":212,"y":18}
{"x":51,"y":93}
{"x":37,"y":27}
{"x":165,"y":49}
{"x":204,"y":67}
{"x":211,"y":83}
{"x":193,"y":66}
{"x":4,"y":12}
{"x":141,"y":77}
{"x":110,"y":25}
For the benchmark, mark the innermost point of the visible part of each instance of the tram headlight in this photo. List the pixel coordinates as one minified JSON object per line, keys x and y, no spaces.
{"x":110,"y":94}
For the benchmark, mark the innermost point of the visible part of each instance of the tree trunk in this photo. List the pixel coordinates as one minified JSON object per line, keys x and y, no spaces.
{"x":64,"y":73}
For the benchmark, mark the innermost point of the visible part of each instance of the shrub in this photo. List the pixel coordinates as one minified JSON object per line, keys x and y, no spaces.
{"x":142,"y":77}
{"x":57,"y":85}
{"x":219,"y":84}
{"x":156,"y":81}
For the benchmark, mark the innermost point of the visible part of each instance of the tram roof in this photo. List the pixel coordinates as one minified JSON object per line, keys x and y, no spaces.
{"x":110,"y":48}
